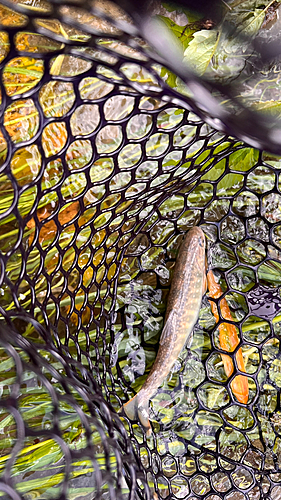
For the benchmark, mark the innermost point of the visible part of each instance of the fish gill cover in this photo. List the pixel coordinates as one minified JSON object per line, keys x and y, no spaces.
{"x":104,"y":168}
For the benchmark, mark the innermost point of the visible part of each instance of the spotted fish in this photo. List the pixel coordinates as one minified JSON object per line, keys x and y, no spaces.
{"x":183,"y":308}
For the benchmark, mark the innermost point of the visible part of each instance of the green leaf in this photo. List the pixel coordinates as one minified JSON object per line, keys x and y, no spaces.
{"x":169,"y":77}
{"x":201,"y":50}
{"x":272,"y":108}
{"x":249,"y":22}
{"x":230,"y":55}
{"x":230,"y":184}
{"x":183,"y":33}
{"x":243,"y":159}
{"x":248,"y":5}
{"x":192,"y":15}
{"x":215,"y":172}
{"x":269,"y":273}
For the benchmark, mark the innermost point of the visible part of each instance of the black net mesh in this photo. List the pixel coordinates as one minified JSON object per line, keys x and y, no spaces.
{"x":103,"y":170}
{"x":59,"y":437}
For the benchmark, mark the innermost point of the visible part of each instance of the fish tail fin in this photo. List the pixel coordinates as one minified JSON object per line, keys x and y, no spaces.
{"x":138,"y":411}
{"x":131,"y":408}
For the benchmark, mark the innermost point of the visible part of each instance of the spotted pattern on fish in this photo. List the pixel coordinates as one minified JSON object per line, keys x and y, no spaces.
{"x":183,"y":308}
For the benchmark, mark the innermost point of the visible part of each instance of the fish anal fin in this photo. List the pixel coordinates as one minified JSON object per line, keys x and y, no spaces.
{"x":144,"y":418}
{"x":169,"y":328}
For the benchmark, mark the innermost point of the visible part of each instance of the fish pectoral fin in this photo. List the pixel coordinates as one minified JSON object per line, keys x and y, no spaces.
{"x":169,"y":328}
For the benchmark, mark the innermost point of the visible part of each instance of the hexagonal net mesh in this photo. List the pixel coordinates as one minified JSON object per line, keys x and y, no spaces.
{"x":103,"y":170}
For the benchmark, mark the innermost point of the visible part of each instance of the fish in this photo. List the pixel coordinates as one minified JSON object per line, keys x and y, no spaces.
{"x":184,"y":302}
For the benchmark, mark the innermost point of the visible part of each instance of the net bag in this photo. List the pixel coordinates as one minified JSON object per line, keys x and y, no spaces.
{"x":104,"y":168}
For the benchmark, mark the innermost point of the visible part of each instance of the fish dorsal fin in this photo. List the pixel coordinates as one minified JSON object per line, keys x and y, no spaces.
{"x":169,"y":327}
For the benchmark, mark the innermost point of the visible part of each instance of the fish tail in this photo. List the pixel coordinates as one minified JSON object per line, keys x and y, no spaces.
{"x":136,"y":410}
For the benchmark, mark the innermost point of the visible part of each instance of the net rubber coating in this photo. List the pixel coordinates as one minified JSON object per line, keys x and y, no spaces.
{"x":103,"y":170}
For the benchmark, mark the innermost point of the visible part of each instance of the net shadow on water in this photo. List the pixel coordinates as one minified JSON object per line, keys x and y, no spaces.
{"x":103,"y":170}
